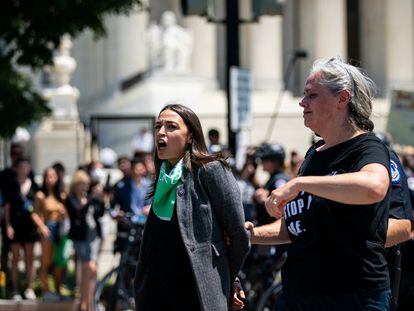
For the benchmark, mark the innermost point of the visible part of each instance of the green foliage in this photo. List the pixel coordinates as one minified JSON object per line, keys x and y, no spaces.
{"x":20,"y":104}
{"x":30,"y":32}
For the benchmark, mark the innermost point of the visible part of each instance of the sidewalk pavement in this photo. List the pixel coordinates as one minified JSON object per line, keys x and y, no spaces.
{"x":26,"y":305}
{"x":106,"y":261}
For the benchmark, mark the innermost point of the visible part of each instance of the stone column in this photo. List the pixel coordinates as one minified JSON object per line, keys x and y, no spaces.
{"x":204,"y":54}
{"x":372,"y":40}
{"x":264,"y":44}
{"x":131,"y":42}
{"x":60,"y":137}
{"x":322,"y":30}
{"x":399,"y":32}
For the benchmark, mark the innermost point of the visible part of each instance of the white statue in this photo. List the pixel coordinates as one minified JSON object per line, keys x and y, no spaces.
{"x":61,"y":95}
{"x":170,"y":45}
{"x":154,"y":45}
{"x":63,"y":64}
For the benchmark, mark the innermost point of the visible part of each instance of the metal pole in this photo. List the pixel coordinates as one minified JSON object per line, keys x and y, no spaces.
{"x":298,"y":53}
{"x":232,"y":59}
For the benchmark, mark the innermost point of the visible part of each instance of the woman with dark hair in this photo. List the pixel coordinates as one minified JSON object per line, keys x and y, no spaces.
{"x":21,"y":230}
{"x":185,"y":263}
{"x":49,"y":214}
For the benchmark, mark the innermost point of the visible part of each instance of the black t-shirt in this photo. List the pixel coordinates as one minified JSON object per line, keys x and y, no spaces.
{"x":337,"y":248}
{"x":21,"y":208}
{"x":400,"y":201}
{"x":400,"y":208}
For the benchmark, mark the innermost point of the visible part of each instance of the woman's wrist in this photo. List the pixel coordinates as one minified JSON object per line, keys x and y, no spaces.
{"x":298,"y":184}
{"x":253,"y":237}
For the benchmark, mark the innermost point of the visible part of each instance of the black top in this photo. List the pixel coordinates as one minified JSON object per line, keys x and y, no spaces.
{"x":171,"y":280}
{"x":21,"y":208}
{"x":400,"y":208}
{"x":122,"y":194}
{"x":8,"y":175}
{"x":84,"y":217}
{"x":400,"y":201}
{"x":337,"y":247}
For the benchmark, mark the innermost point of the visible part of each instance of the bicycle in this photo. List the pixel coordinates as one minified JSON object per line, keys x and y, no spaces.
{"x":115,"y":290}
{"x":268,"y":299}
{"x":262,"y":282}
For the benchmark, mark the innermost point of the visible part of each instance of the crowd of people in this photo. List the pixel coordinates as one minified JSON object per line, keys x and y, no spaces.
{"x":333,"y":212}
{"x":66,"y":220}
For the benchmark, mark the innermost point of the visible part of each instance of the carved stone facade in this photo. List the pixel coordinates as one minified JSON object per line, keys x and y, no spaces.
{"x":170,"y":46}
{"x":183,"y":58}
{"x":61,"y":136}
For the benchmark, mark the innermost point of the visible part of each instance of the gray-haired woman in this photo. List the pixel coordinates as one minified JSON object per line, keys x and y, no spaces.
{"x":335,"y":212}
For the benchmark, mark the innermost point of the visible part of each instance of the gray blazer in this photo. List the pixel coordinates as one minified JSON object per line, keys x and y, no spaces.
{"x":208,"y":205}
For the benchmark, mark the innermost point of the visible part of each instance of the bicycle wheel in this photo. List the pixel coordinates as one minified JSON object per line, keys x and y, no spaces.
{"x":267,"y":301}
{"x":114,"y":291}
{"x":105,"y":297}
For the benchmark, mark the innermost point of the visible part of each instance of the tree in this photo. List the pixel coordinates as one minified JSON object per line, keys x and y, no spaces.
{"x":30,"y":31}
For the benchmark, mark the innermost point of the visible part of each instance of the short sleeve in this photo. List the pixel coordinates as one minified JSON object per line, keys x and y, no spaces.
{"x":372,"y":151}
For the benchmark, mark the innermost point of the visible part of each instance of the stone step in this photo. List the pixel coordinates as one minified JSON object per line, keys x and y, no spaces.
{"x":26,"y":305}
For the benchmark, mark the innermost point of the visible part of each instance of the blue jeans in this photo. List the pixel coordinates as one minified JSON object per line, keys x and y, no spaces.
{"x":53,"y":227}
{"x":369,"y":301}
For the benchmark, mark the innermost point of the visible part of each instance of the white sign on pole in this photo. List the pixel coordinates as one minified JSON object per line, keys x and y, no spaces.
{"x":240,"y":88}
{"x":401,"y":118}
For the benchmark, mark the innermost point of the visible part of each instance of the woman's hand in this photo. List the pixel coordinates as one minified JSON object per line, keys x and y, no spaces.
{"x":261,"y":195}
{"x":237,"y":294}
{"x":250,"y":226}
{"x":10,"y":232}
{"x":280,"y":197}
{"x":146,"y":209}
{"x":45,"y":232}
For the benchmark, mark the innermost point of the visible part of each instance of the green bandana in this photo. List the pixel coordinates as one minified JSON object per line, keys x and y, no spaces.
{"x":165,"y":194}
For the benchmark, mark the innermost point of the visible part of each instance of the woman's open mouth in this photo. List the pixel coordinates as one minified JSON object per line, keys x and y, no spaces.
{"x":161,"y":144}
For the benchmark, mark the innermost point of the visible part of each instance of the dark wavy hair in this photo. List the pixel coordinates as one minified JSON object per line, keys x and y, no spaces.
{"x":196,"y":154}
{"x":57,"y":188}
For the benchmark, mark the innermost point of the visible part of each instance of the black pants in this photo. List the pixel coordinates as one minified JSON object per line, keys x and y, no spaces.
{"x":371,"y":301}
{"x":171,"y":298}
{"x":5,"y":248}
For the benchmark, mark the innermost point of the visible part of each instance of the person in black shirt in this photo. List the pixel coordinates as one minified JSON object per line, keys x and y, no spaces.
{"x":215,"y":146}
{"x":272,"y":158}
{"x":20,"y":227}
{"x":121,"y":201}
{"x":399,"y":224}
{"x":273,"y":162}
{"x":400,"y":218}
{"x":130,"y":198}
{"x":335,"y":213}
{"x":6,"y":177}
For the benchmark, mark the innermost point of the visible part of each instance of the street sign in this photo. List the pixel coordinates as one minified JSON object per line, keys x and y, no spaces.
{"x":401,"y":118}
{"x":240,"y":88}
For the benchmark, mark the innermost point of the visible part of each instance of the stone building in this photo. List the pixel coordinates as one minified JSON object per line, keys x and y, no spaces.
{"x":123,"y":81}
